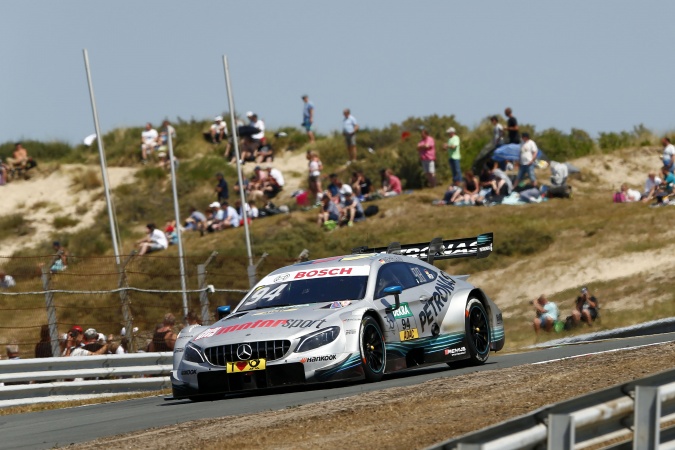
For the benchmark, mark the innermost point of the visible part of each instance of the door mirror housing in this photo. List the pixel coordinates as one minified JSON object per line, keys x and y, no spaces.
{"x":223,"y":311}
{"x":394,"y":290}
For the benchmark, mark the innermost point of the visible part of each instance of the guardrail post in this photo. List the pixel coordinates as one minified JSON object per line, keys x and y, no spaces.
{"x":560,"y":432}
{"x":125,"y":302}
{"x":646,"y":417}
{"x":203,"y":295}
{"x":470,"y":446}
{"x":51,"y":312}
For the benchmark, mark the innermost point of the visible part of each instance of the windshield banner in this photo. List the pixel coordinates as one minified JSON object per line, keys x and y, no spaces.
{"x":307,"y":273}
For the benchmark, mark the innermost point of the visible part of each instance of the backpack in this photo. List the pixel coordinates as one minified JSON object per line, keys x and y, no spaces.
{"x":619,"y":197}
{"x":371,"y":210}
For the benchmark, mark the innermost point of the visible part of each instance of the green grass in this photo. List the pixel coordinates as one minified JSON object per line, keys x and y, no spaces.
{"x":14,"y":225}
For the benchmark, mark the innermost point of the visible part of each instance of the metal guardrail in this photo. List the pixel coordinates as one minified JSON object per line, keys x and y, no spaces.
{"x":636,"y":415}
{"x":46,"y":377}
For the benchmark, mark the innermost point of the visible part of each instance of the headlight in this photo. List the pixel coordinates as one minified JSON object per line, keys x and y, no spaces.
{"x":316,"y":340}
{"x":192,"y":354}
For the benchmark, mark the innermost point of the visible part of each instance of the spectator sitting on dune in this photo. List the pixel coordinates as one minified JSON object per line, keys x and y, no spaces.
{"x":155,"y":241}
{"x":196,"y":221}
{"x":547,"y":314}
{"x":329,"y":210}
{"x":626,"y":195}
{"x":6,"y":281}
{"x":352,"y":211}
{"x":391,"y":184}
{"x":651,"y":186}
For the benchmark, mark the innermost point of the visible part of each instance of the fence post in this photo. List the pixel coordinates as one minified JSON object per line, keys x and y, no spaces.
{"x":203,"y":295}
{"x":51,"y":312}
{"x":647,"y":416}
{"x":125,"y":302}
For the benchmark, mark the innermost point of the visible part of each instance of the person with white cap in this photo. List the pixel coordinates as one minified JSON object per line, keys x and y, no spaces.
{"x":218,"y":130}
{"x":454,"y":157}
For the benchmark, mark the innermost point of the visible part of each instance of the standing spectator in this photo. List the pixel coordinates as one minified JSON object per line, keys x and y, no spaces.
{"x":528,"y":156}
{"x":512,"y":127}
{"x":651,"y":186}
{"x":222,"y":190}
{"x":155,"y":241}
{"x":453,"y":146}
{"x":547,"y":314}
{"x":149,"y":141}
{"x":668,"y":154}
{"x":315,"y":168}
{"x":60,"y":262}
{"x":427,"y":150}
{"x":497,"y":132}
{"x":6,"y":281}
{"x":349,"y":129}
{"x":308,"y":117}
{"x":43,"y":349}
{"x":19,"y":157}
{"x":585,"y":308}
{"x":391,"y":184}
{"x":164,"y":339}
{"x":218,"y":130}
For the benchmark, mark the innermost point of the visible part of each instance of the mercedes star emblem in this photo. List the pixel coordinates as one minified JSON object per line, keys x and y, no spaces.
{"x":244,"y":352}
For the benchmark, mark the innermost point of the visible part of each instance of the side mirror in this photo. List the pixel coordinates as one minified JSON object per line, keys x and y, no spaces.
{"x":395,"y":291}
{"x":223,"y":311}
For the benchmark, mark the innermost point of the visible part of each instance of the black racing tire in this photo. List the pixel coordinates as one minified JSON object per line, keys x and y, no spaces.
{"x":373,"y":351}
{"x":478,"y":334}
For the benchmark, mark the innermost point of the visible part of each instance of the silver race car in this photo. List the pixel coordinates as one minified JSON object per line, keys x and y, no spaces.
{"x":376,"y":311}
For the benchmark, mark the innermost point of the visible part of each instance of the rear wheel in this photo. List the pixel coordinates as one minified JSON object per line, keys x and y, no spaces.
{"x":477,"y":332}
{"x":373,"y":355}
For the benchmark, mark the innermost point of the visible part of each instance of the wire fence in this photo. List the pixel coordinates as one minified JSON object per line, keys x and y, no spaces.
{"x":96,"y":292}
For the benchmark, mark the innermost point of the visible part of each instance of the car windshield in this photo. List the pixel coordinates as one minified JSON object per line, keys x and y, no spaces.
{"x":302,"y":292}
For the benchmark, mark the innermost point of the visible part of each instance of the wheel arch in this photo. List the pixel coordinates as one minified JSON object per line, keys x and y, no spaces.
{"x":492,"y":311}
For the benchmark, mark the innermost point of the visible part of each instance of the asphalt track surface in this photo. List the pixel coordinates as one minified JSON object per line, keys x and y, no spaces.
{"x":48,"y":429}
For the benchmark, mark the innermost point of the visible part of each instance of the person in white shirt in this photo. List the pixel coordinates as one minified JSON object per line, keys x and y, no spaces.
{"x":218,"y":130}
{"x":497,"y":132}
{"x":149,"y":141}
{"x":277,"y":175}
{"x":651,"y":186}
{"x":232,"y":219}
{"x":6,"y":281}
{"x":155,"y":241}
{"x":528,"y":156}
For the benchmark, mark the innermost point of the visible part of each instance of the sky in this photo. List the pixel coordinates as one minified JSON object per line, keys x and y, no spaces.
{"x":596,"y":65}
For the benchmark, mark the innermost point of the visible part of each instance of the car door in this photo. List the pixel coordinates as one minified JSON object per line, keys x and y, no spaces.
{"x":402,"y":323}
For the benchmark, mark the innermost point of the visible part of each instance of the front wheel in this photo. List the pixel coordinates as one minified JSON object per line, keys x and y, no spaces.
{"x":477,"y":332}
{"x":373,"y":356}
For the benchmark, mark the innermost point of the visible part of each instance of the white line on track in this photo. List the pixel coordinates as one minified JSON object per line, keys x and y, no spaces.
{"x":598,"y":353}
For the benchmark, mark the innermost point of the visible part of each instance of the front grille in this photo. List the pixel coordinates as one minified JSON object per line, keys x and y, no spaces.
{"x":269,"y":350}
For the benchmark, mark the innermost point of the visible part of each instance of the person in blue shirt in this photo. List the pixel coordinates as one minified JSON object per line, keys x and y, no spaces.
{"x":547,"y":314}
{"x":308,"y":117}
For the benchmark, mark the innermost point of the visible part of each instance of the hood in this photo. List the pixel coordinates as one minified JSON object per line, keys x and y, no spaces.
{"x":272,"y":324}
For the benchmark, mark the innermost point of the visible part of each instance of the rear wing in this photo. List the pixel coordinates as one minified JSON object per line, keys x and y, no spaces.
{"x":479,"y":246}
